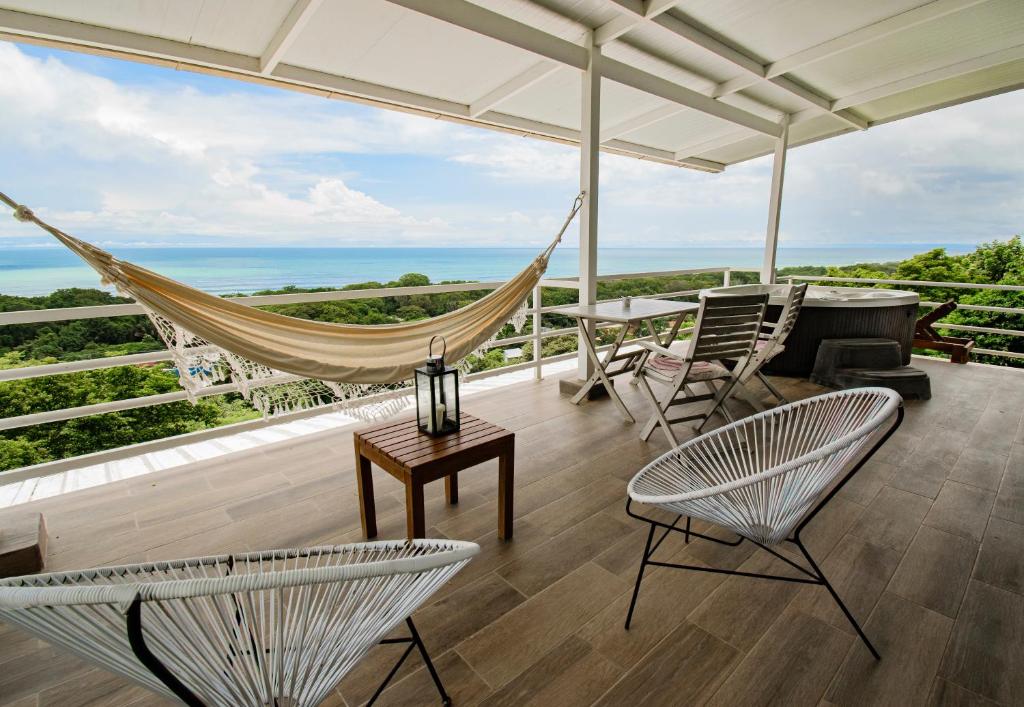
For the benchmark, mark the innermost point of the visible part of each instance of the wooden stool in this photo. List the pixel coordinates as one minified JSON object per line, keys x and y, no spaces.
{"x":416,"y":459}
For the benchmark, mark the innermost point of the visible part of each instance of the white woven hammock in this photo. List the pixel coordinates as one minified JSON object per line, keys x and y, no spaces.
{"x":759,"y":476}
{"x":282,"y":364}
{"x":280,"y":627}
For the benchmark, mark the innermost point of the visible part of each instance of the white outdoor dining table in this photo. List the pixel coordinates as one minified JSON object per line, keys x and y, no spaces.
{"x":639,"y":312}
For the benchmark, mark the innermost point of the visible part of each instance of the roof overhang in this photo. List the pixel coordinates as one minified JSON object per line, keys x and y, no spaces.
{"x":701,"y":84}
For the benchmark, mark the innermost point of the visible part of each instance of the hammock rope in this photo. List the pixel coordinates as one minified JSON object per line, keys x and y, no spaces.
{"x":282,"y":363}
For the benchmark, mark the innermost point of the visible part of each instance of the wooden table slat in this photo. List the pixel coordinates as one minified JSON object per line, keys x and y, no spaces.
{"x":413,"y":440}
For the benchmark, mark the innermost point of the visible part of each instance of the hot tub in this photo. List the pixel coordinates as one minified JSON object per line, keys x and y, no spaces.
{"x":835,"y":313}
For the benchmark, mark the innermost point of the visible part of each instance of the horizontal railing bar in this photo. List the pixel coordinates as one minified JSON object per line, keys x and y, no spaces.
{"x":90,"y":364}
{"x":668,"y":295}
{"x":36,"y":316}
{"x":978,"y":329}
{"x":654,"y":273}
{"x":682,"y":293}
{"x":978,"y":307}
{"x":914,"y":283}
{"x":993,"y":352}
{"x":42,"y":418}
{"x":93,"y":364}
{"x":561,"y":283}
{"x":59,"y":465}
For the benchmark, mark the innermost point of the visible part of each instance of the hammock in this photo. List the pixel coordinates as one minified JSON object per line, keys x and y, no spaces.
{"x":281,"y":363}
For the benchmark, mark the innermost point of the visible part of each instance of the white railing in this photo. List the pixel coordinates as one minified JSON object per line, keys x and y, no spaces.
{"x":537,"y":337}
{"x":952,"y":326}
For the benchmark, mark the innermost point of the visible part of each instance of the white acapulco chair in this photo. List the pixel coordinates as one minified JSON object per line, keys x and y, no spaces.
{"x":766,"y":477}
{"x":278,"y":628}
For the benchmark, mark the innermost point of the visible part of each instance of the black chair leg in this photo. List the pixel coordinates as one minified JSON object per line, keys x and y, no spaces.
{"x":835,"y":596}
{"x":414,"y":641}
{"x":640,"y":575}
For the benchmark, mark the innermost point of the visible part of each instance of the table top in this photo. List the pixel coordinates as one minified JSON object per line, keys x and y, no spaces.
{"x":403,"y":444}
{"x":639,"y":309}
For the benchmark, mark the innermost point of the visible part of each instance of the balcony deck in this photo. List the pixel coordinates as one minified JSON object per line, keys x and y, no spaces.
{"x":925,"y":545}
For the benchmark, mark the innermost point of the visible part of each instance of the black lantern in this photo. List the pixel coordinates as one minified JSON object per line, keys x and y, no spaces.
{"x":437,"y":394}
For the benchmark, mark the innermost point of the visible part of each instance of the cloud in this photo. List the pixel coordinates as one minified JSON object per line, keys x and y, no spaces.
{"x":168,"y":159}
{"x":160,"y":156}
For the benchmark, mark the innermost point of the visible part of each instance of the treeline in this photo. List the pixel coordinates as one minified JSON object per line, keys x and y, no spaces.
{"x":994,"y":263}
{"x":51,"y":342}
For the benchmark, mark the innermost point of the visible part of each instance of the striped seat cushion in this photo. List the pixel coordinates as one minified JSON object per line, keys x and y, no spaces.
{"x":701,"y":370}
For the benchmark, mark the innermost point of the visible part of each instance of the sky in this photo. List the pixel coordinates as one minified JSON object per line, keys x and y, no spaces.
{"x":128,"y":154}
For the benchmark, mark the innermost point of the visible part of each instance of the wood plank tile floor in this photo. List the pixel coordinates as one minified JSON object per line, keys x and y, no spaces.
{"x":925,"y":546}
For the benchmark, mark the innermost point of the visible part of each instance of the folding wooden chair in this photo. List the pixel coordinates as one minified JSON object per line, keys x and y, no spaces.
{"x":770,"y":343}
{"x":727,"y":327}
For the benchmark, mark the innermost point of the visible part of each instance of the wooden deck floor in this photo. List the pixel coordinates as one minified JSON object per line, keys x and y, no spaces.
{"x":926,"y":545}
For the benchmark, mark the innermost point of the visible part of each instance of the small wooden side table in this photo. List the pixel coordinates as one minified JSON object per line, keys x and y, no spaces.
{"x":416,"y":459}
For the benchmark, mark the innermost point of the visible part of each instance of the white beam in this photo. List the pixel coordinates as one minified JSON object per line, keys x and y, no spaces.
{"x":130,"y":46}
{"x":504,"y":29}
{"x":535,"y":73}
{"x":710,"y":44}
{"x":590,"y":142}
{"x":491,"y":24}
{"x":852,"y":40}
{"x":754,"y":68}
{"x":687,"y":153}
{"x":637,"y":13}
{"x":298,"y":17}
{"x":697,"y":148}
{"x":640,"y":121}
{"x":23,"y":23}
{"x":653,"y":153}
{"x":771,"y":242}
{"x":870,"y":33}
{"x":909,"y":83}
{"x":655,"y":85}
{"x":354,"y":87}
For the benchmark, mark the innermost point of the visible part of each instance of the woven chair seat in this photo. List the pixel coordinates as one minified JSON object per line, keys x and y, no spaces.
{"x":279,"y":627}
{"x":759,"y":476}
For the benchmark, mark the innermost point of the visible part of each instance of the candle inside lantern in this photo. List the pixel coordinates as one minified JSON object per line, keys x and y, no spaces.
{"x":437,"y":395}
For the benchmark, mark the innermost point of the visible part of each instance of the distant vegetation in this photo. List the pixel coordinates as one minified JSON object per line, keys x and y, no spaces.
{"x":51,"y":342}
{"x":997,"y":263}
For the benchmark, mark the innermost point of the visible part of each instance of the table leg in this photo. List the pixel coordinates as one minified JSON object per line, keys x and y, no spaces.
{"x":674,"y":331}
{"x":451,"y":487}
{"x":506,"y":491}
{"x":582,"y":393}
{"x":600,"y":374}
{"x":415,"y":523}
{"x":367,"y":510}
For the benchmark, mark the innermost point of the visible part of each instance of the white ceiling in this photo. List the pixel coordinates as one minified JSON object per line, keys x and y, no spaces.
{"x":833,"y":65}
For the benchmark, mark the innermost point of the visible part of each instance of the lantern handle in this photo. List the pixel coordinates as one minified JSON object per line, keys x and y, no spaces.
{"x":444,"y":346}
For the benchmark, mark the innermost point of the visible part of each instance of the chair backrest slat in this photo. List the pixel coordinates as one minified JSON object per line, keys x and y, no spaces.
{"x":790,"y":312}
{"x":774,"y":343}
{"x":727,"y":326}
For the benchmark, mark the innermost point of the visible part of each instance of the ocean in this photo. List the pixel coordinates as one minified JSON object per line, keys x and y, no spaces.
{"x":36,"y":271}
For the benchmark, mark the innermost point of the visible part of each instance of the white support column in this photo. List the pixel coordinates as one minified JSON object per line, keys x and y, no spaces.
{"x":590,"y":142}
{"x":771,"y":241}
